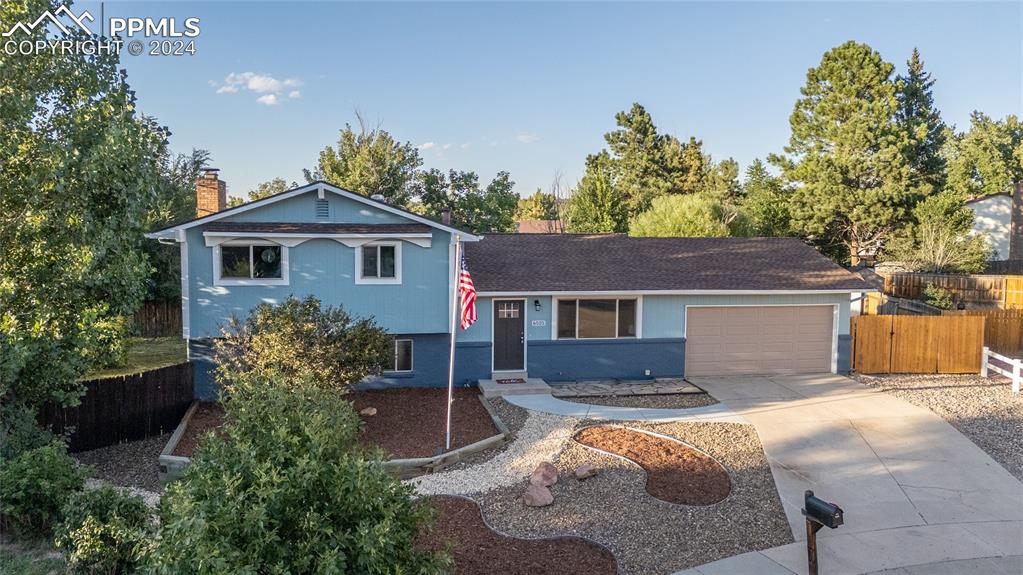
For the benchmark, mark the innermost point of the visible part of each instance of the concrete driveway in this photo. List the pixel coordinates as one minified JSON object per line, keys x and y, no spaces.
{"x":915,"y":491}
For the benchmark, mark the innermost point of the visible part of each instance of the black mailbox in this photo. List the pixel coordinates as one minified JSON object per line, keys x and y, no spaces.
{"x":822,"y":512}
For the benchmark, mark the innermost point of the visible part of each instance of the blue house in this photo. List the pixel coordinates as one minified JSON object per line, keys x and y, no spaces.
{"x":553,"y":306}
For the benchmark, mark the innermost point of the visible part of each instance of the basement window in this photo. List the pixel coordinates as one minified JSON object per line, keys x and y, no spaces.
{"x":402,"y":356}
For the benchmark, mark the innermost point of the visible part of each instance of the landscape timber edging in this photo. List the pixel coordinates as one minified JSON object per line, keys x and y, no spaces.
{"x":173,"y":466}
{"x":414,"y":467}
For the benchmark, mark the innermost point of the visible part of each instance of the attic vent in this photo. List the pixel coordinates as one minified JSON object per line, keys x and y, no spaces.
{"x":322,"y":209}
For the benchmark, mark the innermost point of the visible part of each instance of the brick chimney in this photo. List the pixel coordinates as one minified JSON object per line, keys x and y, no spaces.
{"x":210,"y":193}
{"x":1016,"y":225}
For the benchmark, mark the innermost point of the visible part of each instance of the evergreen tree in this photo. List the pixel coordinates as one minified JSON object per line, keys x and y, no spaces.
{"x":597,"y":205}
{"x":847,"y":154}
{"x":639,"y":159}
{"x":479,"y":210}
{"x":923,"y":121}
{"x":765,"y":202}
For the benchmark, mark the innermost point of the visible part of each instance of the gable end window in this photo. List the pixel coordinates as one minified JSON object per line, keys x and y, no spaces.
{"x":250,"y":264}
{"x":378,"y":263}
{"x":597,"y":318}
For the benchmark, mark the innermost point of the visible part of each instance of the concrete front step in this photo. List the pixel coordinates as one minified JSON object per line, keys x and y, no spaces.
{"x":532,"y":385}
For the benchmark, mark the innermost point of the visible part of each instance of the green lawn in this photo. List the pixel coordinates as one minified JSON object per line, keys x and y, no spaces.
{"x":144,"y":354}
{"x":30,"y":559}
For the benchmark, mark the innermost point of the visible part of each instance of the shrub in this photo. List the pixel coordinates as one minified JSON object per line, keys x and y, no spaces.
{"x":34,"y":486}
{"x":104,"y":531}
{"x":285,"y":489}
{"x":937,"y":296}
{"x":19,"y":431}
{"x":301,"y":343}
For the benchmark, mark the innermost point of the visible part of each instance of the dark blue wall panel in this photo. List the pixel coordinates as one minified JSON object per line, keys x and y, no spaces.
{"x":844,"y":353}
{"x":622,"y":358}
{"x":200,"y":353}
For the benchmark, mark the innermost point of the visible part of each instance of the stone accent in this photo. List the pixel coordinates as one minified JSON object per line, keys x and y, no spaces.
{"x":369,"y":411}
{"x":537,"y":496}
{"x":585,"y":471}
{"x":544,"y":475}
{"x":621,"y":388}
{"x":210,"y":193}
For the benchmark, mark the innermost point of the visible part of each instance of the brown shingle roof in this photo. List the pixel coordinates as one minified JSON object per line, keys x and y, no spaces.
{"x":315,"y":228}
{"x":616,"y":262}
{"x":539,"y":226}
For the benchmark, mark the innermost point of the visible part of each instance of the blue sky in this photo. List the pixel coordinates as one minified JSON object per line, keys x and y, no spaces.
{"x":531,"y":87}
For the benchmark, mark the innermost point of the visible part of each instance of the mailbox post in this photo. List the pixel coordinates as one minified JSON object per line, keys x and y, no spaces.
{"x":818,"y":513}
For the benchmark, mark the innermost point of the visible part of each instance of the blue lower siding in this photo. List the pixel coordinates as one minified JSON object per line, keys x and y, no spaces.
{"x":622,"y":358}
{"x":429,"y":365}
{"x":844,"y":354}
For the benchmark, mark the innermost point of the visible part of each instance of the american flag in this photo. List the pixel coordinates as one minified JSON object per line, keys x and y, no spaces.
{"x":467,"y":294}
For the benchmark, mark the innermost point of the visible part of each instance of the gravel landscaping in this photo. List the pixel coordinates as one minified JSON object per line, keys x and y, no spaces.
{"x":984,"y":410}
{"x":646,"y":535}
{"x":478,"y":550}
{"x":673,"y":401}
{"x":675,"y":472}
{"x":132,"y":464}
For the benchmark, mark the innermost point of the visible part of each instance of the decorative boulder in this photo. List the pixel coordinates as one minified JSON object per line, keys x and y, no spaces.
{"x":585,"y":471}
{"x":537,"y":496}
{"x":544,"y":475}
{"x":368,"y":411}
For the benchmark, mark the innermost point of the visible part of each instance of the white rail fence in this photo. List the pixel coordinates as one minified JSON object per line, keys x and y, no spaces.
{"x":1012,"y":368}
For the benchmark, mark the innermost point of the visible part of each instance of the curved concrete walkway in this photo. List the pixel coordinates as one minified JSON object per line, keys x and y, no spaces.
{"x":915,"y":491}
{"x":549,"y":404}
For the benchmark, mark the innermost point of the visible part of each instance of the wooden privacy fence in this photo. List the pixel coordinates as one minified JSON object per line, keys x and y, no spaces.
{"x":1002,"y":291}
{"x":1003,"y":329}
{"x":124,"y":408}
{"x":917,"y":344}
{"x":161,"y":318}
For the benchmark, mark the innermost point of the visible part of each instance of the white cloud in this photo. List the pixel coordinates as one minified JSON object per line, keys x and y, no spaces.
{"x":427,"y":145}
{"x":446,"y":147}
{"x":465,"y":145}
{"x":272,"y":90}
{"x":527,"y":137}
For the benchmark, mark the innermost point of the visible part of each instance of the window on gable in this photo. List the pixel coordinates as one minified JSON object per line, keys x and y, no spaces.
{"x":379,"y":262}
{"x":250,"y":262}
{"x":596,"y":318}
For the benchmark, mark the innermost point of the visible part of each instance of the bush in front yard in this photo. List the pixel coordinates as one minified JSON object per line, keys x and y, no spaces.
{"x":35,"y":485}
{"x":285,"y":489}
{"x":104,"y":531}
{"x":302,"y":343}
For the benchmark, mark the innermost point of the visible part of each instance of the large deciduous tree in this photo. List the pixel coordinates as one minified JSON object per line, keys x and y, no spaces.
{"x":79,"y":169}
{"x":539,"y":206}
{"x":480,"y":210}
{"x":369,"y":161}
{"x":988,"y":158}
{"x":939,"y":240}
{"x":690,"y":215}
{"x":597,"y":205}
{"x":847,"y":154}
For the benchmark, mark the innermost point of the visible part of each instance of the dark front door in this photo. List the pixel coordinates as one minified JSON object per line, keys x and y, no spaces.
{"x":509,"y":335}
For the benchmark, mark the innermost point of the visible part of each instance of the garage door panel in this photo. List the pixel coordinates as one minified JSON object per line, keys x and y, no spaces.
{"x":753,"y":340}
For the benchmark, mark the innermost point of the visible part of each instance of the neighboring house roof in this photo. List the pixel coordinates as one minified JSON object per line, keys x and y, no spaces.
{"x":539,"y":226}
{"x":988,"y":197}
{"x":618,"y":263}
{"x":316,"y":228}
{"x":321,"y":187}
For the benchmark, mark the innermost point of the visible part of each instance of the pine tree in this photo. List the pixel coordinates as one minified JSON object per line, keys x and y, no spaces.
{"x":847,"y":154}
{"x":638,"y":153}
{"x":923,"y":122}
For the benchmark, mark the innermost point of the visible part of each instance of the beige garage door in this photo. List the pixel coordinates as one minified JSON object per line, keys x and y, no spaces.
{"x":758,"y":340}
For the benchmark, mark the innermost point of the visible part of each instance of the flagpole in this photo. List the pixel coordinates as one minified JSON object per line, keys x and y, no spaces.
{"x":451,"y":356}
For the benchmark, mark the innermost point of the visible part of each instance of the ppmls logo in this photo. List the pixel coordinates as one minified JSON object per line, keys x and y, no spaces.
{"x":52,"y":17}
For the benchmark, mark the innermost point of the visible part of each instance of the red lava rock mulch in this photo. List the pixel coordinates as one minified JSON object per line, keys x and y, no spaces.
{"x":478,"y":550}
{"x":676,"y":473}
{"x":408,"y":423}
{"x":207,"y":416}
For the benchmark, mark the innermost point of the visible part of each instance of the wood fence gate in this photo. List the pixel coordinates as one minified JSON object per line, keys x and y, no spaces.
{"x":917,"y":344}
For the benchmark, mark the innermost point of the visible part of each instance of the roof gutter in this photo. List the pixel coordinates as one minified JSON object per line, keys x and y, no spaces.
{"x":676,"y":292}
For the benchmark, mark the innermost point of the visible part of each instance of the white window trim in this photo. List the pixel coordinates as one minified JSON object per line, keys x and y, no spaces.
{"x":222,"y":281}
{"x":617,"y":298}
{"x":412,"y":356}
{"x":396,"y":280}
